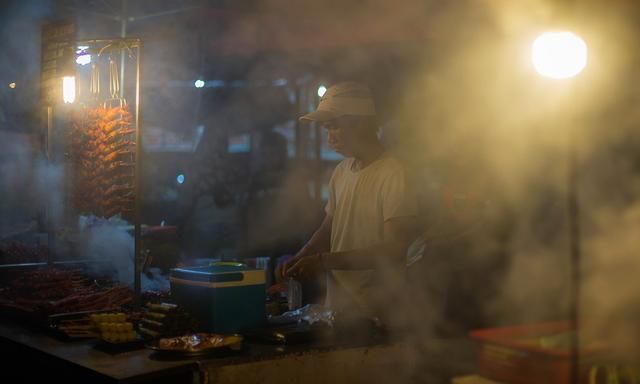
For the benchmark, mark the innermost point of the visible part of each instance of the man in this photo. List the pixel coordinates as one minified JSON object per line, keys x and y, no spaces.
{"x":370,"y":217}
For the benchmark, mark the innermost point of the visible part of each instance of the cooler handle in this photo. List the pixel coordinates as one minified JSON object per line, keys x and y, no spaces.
{"x":226,"y":264}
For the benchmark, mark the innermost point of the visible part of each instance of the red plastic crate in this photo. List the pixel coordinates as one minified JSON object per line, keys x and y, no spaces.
{"x":504,"y":355}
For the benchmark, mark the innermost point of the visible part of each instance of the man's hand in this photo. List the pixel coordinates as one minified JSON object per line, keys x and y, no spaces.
{"x":281,"y":269}
{"x":319,"y":242}
{"x":306,"y":267}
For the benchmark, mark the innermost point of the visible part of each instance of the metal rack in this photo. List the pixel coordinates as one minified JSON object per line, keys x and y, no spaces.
{"x":133,"y":47}
{"x":136,"y":44}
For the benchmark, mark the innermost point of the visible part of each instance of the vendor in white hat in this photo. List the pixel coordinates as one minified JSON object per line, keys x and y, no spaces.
{"x":370,"y":217}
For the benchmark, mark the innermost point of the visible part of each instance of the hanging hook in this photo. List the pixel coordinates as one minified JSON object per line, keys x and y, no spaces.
{"x":126,"y":46}
{"x":114,"y":82}
{"x":103,"y":48}
{"x":95,"y":80}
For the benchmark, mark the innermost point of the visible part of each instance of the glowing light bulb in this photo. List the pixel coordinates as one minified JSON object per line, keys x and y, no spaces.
{"x":69,"y":89}
{"x":559,"y":55}
{"x":83,"y":59}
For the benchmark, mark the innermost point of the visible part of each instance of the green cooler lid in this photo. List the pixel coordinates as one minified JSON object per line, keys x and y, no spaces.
{"x":220,"y":272}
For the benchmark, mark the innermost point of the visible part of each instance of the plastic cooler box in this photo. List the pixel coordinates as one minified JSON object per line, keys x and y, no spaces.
{"x":509,"y":355}
{"x":223,"y":297}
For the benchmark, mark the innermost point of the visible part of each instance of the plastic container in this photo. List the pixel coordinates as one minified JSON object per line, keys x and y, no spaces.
{"x":294,"y":294}
{"x":520,"y":354}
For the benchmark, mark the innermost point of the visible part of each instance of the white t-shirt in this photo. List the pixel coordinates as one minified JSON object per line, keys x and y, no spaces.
{"x":360,"y":201}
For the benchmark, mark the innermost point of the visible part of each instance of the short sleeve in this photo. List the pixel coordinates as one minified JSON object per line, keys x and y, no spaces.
{"x":399,"y":198}
{"x":330,"y":208}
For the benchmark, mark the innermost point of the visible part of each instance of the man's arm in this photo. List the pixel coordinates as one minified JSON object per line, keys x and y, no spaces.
{"x":391,"y":253}
{"x":320,"y":242}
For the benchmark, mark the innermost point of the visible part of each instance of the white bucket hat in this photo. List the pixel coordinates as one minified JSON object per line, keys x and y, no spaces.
{"x":348,"y":98}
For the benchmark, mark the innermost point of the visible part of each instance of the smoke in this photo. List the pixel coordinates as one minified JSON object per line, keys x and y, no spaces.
{"x":109,"y":246}
{"x":473,"y":117}
{"x":486,"y":126}
{"x":461,"y":106}
{"x":110,"y":242}
{"x":32,"y":191}
{"x":19,"y":171}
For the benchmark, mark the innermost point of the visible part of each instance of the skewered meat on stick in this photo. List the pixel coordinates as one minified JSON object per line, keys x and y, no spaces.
{"x":103,"y":149}
{"x":52,"y":291}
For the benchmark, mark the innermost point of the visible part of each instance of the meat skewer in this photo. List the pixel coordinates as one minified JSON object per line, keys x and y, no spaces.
{"x":115,"y":154}
{"x":103,"y":149}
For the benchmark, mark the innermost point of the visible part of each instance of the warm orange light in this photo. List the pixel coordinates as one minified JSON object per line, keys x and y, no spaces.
{"x":559,"y":55}
{"x":69,"y":89}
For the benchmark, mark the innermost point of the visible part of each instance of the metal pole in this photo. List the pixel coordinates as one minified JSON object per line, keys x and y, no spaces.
{"x":318,"y":153}
{"x":574,"y":244}
{"x":137,"y":187}
{"x":123,"y":34}
{"x":48,"y":145}
{"x":49,"y":218}
{"x":298,"y":127}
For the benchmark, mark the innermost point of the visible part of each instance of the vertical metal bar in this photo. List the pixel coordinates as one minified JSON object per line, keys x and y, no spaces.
{"x":305,"y":130}
{"x":137,"y":188}
{"x":123,"y":34}
{"x":48,"y":215}
{"x":48,"y":144}
{"x":298,"y":127}
{"x":318,"y":162}
{"x":574,"y":245}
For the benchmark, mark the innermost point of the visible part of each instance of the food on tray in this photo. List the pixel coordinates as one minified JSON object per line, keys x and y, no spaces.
{"x":114,"y":327}
{"x":164,"y":320}
{"x":198,"y":342}
{"x":52,"y":290}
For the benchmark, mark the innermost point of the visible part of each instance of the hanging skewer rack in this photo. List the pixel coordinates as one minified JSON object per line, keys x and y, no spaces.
{"x":122,"y":50}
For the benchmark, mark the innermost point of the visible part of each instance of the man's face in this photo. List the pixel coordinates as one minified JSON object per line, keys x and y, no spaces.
{"x":343,"y":135}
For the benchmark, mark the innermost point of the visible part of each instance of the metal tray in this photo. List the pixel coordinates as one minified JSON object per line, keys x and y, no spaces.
{"x":222,"y":351}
